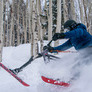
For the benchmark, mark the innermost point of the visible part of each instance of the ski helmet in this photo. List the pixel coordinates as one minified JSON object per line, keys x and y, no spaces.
{"x":70,"y":24}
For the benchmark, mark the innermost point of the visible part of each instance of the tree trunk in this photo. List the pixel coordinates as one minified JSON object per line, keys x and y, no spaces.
{"x":58,"y":28}
{"x":73,"y":10}
{"x":1,"y":28}
{"x":25,"y":28}
{"x":39,"y":25}
{"x":90,"y":18}
{"x":34,"y":32}
{"x":4,"y":29}
{"x":30,"y":23}
{"x":7,"y":29}
{"x":18,"y":28}
{"x":82,"y":12}
{"x":77,"y":11}
{"x":50,"y":21}
{"x":65,"y":11}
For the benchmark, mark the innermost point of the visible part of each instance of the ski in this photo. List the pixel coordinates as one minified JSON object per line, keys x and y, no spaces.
{"x":55,"y":82}
{"x":15,"y":76}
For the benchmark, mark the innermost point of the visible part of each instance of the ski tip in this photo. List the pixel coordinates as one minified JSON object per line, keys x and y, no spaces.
{"x":27,"y":85}
{"x":44,"y":78}
{"x":14,"y":75}
{"x":55,"y":82}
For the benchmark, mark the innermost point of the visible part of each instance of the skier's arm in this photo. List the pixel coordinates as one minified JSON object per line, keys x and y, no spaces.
{"x":64,"y":46}
{"x":74,"y":33}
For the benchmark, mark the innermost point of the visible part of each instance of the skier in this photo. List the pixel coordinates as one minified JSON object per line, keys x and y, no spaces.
{"x":77,"y":36}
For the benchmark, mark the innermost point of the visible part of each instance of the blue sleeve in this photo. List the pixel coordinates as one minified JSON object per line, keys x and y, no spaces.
{"x":64,"y":46}
{"x":74,"y":33}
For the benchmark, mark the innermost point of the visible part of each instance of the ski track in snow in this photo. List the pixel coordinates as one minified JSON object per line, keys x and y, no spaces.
{"x":72,"y":66}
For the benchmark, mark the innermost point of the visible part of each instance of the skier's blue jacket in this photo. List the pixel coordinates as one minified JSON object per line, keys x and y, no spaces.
{"x":78,"y":37}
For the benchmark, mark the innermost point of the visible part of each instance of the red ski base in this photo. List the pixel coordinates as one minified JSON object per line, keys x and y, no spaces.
{"x":55,"y":82}
{"x":15,"y":76}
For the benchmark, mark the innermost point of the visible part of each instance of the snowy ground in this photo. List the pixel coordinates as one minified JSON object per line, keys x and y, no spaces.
{"x":72,"y":66}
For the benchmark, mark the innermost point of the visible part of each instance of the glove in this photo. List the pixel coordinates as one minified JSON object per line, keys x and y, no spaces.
{"x":49,"y":48}
{"x":58,"y":36}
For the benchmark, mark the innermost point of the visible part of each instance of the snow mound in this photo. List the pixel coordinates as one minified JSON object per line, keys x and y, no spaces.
{"x":71,"y":67}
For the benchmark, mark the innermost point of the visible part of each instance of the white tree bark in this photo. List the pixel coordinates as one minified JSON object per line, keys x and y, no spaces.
{"x":77,"y":11}
{"x":73,"y":10}
{"x":7,"y":29}
{"x":1,"y":28}
{"x":30,"y":21}
{"x":34,"y":42}
{"x":58,"y":28}
{"x":38,"y":19}
{"x":82,"y":12}
{"x":32,"y":29}
{"x":50,"y":21}
{"x":65,"y":11}
{"x":90,"y":17}
{"x":25,"y":22}
{"x":18,"y":33}
{"x":12,"y":24}
{"x":39,"y":25}
{"x":4,"y":36}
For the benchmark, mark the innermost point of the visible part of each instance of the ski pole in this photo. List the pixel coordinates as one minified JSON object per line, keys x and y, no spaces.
{"x":49,"y":43}
{"x":57,"y":51}
{"x":44,"y":53}
{"x":17,"y":70}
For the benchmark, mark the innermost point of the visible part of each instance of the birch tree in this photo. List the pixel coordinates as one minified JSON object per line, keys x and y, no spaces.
{"x":25,"y":27}
{"x":65,"y":10}
{"x":7,"y":19}
{"x":90,"y":16}
{"x":32,"y":31}
{"x":18,"y":33}
{"x":30,"y":22}
{"x":39,"y":25}
{"x":82,"y":12}
{"x":68,"y":6}
{"x":50,"y":21}
{"x":4,"y":17}
{"x":44,"y":20}
{"x":73,"y":12}
{"x":14,"y":14}
{"x":58,"y":28}
{"x":1,"y":28}
{"x":34,"y":35}
{"x":12,"y":23}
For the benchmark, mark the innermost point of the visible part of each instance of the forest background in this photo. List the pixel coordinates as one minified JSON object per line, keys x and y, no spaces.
{"x":33,"y":21}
